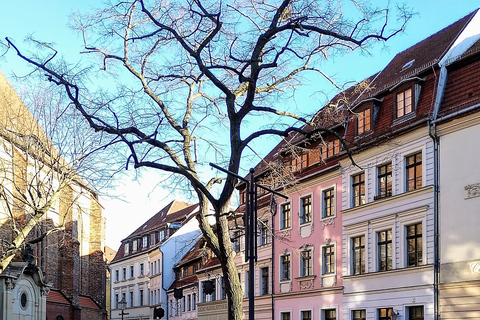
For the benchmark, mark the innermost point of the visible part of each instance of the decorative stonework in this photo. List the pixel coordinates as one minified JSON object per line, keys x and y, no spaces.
{"x":10,"y":283}
{"x":305,"y":283}
{"x":327,"y":222}
{"x":472,"y":191}
{"x":285,"y":233}
{"x":45,"y":290}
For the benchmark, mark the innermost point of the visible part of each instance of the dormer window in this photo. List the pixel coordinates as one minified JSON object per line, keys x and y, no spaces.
{"x":364,"y":121}
{"x":127,"y":248}
{"x":330,"y":148}
{"x":404,"y":102}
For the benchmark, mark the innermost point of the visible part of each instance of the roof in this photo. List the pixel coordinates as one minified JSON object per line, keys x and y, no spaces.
{"x":197,"y":252}
{"x":416,"y":61}
{"x":172,"y":212}
{"x":87,"y":302}
{"x":175,"y":211}
{"x":56,"y":296}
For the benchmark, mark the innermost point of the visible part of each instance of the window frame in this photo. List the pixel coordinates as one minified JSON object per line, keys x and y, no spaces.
{"x":306,"y":263}
{"x":384,"y":244}
{"x":327,"y":260}
{"x":415,"y":237}
{"x":388,"y":315}
{"x":417,"y":170}
{"x":325,"y":311}
{"x":304,"y":217}
{"x":410,"y":317}
{"x":310,"y":311}
{"x":401,"y":91}
{"x":329,"y":205}
{"x":362,"y":198}
{"x":383,"y":187}
{"x":264,"y":281}
{"x":365,"y":127}
{"x":362,"y":316}
{"x":285,"y":315}
{"x":285,"y":273}
{"x":285,"y":223}
{"x":362,"y":249}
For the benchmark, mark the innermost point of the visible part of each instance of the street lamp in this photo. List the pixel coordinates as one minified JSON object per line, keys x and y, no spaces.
{"x":123,"y":304}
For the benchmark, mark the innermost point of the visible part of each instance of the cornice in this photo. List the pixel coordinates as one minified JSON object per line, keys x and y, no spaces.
{"x":458,"y":124}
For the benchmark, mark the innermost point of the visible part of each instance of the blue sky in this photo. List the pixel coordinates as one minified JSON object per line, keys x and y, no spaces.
{"x":48,"y":21}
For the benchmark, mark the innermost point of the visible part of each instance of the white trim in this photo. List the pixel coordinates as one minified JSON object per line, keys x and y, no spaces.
{"x":326,"y":307}
{"x":289,"y":201}
{"x":322,"y":202}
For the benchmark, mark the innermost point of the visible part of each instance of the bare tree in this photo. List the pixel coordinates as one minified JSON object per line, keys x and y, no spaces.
{"x":39,"y":187}
{"x":183,"y":83}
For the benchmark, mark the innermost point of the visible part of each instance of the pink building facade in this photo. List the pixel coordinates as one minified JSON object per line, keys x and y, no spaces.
{"x":307,"y":251}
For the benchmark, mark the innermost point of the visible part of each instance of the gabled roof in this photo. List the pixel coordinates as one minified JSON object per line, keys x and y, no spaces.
{"x":172,"y":212}
{"x":175,"y":211}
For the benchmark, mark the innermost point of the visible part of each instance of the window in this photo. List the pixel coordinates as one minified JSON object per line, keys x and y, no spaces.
{"x":145,"y":241}
{"x":306,"y":315}
{"x":183,"y":304}
{"x":415,"y":313}
{"x":131,"y":272}
{"x":328,"y":259}
{"x":185,"y":272}
{"x":262,"y":233}
{"x":358,"y":255}
{"x":140,"y":298}
{"x":189,"y":302}
{"x":130,"y":296}
{"x":384,"y":245}
{"x":384,"y":181}
{"x":306,"y":263}
{"x":116,"y":301}
{"x":223,"y":292}
{"x":285,"y":267}
{"x":152,"y":239}
{"x":306,"y":209}
{"x":363,"y":121}
{"x":385,"y":314}
{"x":157,"y":236}
{"x":285,"y":216}
{"x":359,"y":315}
{"x":264,"y":281}
{"x":124,"y":273}
{"x":413,"y":171}
{"x":285,"y":316}
{"x":330,"y":148}
{"x":141,"y":269}
{"x":328,"y":203}
{"x":404,"y":102}
{"x":358,"y":189}
{"x":194,"y":301}
{"x":330,"y":314}
{"x":299,"y":162}
{"x":236,"y":241}
{"x":414,"y":245}
{"x":117,"y":276}
{"x":127,"y":248}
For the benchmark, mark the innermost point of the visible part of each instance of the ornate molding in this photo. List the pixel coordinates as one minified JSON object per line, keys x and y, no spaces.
{"x":305,"y":283}
{"x":10,"y":283}
{"x":285,"y":233}
{"x":327,"y":222}
{"x":45,"y":290}
{"x":472,"y":191}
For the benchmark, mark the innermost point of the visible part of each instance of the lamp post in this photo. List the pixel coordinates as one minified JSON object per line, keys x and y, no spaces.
{"x":123,"y":304}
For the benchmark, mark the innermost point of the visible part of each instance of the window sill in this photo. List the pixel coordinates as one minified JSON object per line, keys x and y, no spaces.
{"x":404,"y":118}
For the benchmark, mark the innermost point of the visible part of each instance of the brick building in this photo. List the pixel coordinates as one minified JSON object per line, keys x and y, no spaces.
{"x":72,"y":260}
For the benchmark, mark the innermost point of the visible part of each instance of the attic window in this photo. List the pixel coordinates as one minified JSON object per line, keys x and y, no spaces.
{"x":408,"y":64}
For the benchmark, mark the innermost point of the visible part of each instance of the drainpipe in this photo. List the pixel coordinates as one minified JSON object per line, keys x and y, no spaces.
{"x":273,"y":255}
{"x":432,"y":131}
{"x":163,"y":281}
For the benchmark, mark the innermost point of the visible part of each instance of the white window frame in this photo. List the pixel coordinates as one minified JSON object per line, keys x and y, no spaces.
{"x":300,"y":261}
{"x":312,"y":316}
{"x":407,"y":218}
{"x":403,"y":171}
{"x":378,"y":225}
{"x":324,"y":308}
{"x":322,"y":265}
{"x":353,"y":231}
{"x":322,"y":202}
